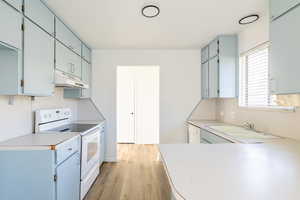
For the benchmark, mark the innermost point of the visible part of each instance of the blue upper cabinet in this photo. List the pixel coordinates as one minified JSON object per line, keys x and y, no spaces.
{"x":213,"y":77}
{"x":228,"y":66}
{"x":280,"y":7}
{"x":39,"y":13}
{"x":204,"y":54}
{"x":219,"y":73}
{"x":204,"y":81}
{"x":67,"y":37}
{"x":86,"y":53}
{"x":214,"y":48}
{"x":17,"y":4}
{"x":11,"y":26}
{"x":38,"y":65}
{"x":67,"y":61}
{"x":284,"y":54}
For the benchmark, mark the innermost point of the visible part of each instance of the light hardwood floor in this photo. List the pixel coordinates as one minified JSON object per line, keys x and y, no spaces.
{"x":138,"y":175}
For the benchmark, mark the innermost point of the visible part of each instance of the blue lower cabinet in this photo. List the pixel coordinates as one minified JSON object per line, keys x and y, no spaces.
{"x":27,"y":175}
{"x":37,"y":175}
{"x":68,"y":179}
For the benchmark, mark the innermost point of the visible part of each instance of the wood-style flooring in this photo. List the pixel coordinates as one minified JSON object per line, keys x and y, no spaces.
{"x":138,"y":175}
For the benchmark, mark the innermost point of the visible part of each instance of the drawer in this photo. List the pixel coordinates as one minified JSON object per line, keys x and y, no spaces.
{"x":211,"y":138}
{"x":67,"y":148}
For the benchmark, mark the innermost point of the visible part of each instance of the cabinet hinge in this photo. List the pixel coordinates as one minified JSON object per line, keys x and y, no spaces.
{"x":55,"y":178}
{"x":22,"y":27}
{"x":22,"y":83}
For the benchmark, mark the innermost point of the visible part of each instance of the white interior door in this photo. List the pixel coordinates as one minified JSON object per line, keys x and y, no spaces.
{"x":147,"y":105}
{"x":125,"y":105}
{"x":138,"y":105}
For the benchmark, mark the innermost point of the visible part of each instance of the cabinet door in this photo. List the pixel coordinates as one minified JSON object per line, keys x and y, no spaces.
{"x":66,"y":36}
{"x":38,"y":61}
{"x":11,"y":22}
{"x":76,"y":61}
{"x":38,"y":12}
{"x":279,"y":7}
{"x":86,"y":53}
{"x":68,"y":179}
{"x":85,"y":72}
{"x":205,"y":78}
{"x":63,"y":58}
{"x":213,"y":48}
{"x":228,"y":64}
{"x":17,"y":4}
{"x":204,"y":54}
{"x":284,"y":53}
{"x":214,"y":78}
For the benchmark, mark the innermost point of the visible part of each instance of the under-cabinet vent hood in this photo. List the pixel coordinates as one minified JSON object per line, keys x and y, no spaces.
{"x":65,"y":80}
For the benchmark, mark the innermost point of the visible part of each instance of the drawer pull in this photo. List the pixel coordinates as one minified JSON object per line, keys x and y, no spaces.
{"x":70,"y":149}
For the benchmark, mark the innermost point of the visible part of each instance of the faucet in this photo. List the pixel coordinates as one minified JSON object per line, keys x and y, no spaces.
{"x":249,"y":126}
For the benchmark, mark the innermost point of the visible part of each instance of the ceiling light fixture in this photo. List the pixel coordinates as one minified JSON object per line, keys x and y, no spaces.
{"x":249,"y":19}
{"x":150,"y":11}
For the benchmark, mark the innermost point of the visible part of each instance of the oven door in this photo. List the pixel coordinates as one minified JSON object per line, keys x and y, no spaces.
{"x":90,"y":151}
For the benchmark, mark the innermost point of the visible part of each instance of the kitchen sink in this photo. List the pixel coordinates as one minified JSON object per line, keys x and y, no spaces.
{"x":241,"y":133}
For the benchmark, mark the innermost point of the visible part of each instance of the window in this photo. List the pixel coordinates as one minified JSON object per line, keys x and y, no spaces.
{"x":254,"y":79}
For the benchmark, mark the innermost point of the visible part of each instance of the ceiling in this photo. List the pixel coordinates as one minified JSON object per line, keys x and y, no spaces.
{"x":118,"y":24}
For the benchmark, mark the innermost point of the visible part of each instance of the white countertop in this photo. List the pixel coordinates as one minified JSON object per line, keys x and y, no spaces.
{"x":234,"y":171}
{"x":205,"y":124}
{"x":37,"y":141}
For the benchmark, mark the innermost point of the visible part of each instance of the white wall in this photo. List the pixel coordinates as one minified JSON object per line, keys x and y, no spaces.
{"x":179,"y":88}
{"x":17,"y":119}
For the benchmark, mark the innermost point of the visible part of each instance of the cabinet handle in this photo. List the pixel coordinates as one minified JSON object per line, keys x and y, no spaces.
{"x":70,"y":149}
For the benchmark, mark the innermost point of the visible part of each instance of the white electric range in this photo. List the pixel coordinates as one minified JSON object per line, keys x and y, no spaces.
{"x":49,"y":121}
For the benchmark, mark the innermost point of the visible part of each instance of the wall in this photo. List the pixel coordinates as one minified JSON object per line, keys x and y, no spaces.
{"x":17,"y":119}
{"x":273,"y":121}
{"x":179,"y":88}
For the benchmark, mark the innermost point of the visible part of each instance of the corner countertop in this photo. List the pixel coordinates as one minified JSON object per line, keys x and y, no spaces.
{"x":37,"y":141}
{"x":233,"y":171}
{"x":204,"y":124}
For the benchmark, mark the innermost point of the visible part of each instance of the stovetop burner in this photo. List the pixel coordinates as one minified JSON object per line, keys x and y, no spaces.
{"x":74,"y":128}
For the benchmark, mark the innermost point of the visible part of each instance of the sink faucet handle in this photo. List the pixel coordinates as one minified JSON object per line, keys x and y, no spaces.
{"x":249,"y":125}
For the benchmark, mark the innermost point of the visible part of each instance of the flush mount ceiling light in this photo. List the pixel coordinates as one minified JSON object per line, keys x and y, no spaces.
{"x":150,"y":11}
{"x":249,"y":19}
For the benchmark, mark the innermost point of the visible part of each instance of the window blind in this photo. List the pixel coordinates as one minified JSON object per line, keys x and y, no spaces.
{"x":254,"y":78}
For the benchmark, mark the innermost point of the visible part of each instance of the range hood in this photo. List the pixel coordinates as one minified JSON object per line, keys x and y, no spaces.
{"x":63,"y":79}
